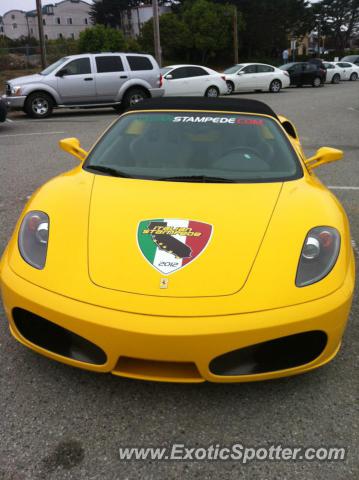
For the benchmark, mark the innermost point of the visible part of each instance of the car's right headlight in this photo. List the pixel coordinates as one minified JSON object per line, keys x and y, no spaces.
{"x":319,"y":254}
{"x":33,"y":238}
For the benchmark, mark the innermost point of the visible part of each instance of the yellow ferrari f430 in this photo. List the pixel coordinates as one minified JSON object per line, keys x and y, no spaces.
{"x":192,"y":243}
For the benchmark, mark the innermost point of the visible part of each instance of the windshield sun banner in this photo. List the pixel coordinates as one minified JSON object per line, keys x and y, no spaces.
{"x":171,"y":244}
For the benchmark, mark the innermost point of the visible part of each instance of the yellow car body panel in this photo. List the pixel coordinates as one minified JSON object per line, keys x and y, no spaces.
{"x":240,"y":292}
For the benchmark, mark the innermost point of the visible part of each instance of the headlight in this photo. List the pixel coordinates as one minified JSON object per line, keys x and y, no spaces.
{"x":319,"y":254}
{"x":33,"y":238}
{"x":16,"y":90}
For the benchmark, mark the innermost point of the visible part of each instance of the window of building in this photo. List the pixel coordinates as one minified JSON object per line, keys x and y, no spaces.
{"x":69,"y":21}
{"x":44,"y":21}
{"x":109,"y":63}
{"x":58,"y":21}
{"x":86,"y":21}
{"x":31,"y":31}
{"x":137,"y":62}
{"x":14,"y":26}
{"x":46,"y":36}
{"x":12,"y":17}
{"x":1,"y":29}
{"x":60,"y":35}
{"x":72,"y":35}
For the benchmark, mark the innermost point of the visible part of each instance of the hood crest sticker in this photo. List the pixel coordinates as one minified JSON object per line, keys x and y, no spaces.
{"x":171,"y":244}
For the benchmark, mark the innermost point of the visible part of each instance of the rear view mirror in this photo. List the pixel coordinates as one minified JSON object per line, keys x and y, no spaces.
{"x":322,"y":156}
{"x":72,"y":146}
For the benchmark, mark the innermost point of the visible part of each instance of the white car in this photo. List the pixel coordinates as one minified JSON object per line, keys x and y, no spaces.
{"x":334,"y":73}
{"x":192,"y":81}
{"x":348,"y":71}
{"x":244,"y":77}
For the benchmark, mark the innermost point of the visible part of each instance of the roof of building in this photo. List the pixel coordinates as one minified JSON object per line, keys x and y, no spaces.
{"x":242,"y":105}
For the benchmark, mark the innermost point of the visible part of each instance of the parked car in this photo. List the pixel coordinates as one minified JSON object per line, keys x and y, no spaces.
{"x":348,"y":71}
{"x":192,"y":81}
{"x":193,"y":243}
{"x":333,"y":72}
{"x":351,"y":59}
{"x":3,"y":111}
{"x":305,"y":73}
{"x":255,"y":76}
{"x":88,"y":80}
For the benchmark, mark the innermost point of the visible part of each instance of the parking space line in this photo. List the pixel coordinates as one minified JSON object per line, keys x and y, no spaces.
{"x":339,"y":187}
{"x":29,"y":134}
{"x":355,"y":248}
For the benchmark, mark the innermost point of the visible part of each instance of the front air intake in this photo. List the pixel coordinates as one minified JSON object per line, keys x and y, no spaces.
{"x":56,"y":339}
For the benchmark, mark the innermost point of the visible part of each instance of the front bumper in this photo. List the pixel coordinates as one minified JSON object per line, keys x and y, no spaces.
{"x":14,"y":102}
{"x":157,"y":92}
{"x":176,"y":349}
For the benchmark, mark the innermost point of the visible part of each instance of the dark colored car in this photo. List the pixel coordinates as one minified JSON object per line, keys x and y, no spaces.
{"x":3,"y":111}
{"x":351,"y":58}
{"x":305,"y":73}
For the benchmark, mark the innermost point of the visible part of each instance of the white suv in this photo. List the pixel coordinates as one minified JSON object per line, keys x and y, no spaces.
{"x":88,"y":80}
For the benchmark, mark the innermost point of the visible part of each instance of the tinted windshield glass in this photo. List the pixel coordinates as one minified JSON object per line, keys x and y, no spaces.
{"x":350,"y":58}
{"x":53,"y":66}
{"x":229,"y":147}
{"x":233,"y":69}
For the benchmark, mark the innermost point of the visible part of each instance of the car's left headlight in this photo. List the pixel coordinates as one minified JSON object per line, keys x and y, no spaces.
{"x":319,"y":255}
{"x":33,"y":238}
{"x":15,"y":90}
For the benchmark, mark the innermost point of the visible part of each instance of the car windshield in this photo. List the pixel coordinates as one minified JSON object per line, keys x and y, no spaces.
{"x":53,"y":66}
{"x":195,"y":146}
{"x":350,"y":58}
{"x":233,"y":69}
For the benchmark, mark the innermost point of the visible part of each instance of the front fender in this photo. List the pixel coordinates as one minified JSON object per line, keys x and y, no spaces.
{"x":35,"y":87}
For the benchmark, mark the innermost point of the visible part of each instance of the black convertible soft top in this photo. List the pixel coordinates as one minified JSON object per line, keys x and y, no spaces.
{"x":240,"y":105}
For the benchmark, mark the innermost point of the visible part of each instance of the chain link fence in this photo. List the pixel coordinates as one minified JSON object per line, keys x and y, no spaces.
{"x":28,"y":57}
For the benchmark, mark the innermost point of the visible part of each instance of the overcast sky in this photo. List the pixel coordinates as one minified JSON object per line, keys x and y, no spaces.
{"x":6,"y":5}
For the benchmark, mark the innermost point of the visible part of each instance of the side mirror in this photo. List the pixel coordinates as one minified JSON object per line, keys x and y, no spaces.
{"x":169,"y":77}
{"x":72,"y":146}
{"x":62,"y":72}
{"x":240,"y":73}
{"x":322,"y":156}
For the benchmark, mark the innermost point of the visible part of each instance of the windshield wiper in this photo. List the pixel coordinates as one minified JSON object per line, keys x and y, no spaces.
{"x":110,"y":171}
{"x":198,"y":178}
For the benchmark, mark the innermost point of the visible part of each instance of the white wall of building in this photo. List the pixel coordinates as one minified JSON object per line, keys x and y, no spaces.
{"x":66,"y":19}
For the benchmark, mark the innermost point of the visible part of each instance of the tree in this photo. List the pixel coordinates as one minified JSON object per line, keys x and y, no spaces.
{"x":101,"y":39}
{"x":198,"y":31}
{"x":108,"y":12}
{"x":338,"y":19}
{"x":210,"y":25}
{"x":175,"y":36}
{"x":270,"y":23}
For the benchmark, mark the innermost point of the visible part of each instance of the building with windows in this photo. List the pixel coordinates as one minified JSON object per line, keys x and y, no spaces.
{"x":65,"y":19}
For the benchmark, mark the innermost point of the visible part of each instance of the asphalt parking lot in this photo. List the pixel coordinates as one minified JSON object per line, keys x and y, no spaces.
{"x":58,"y":422}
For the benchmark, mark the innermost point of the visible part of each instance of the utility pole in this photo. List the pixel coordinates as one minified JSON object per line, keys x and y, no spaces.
{"x":235,"y":34}
{"x":156,"y":32}
{"x":41,"y":33}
